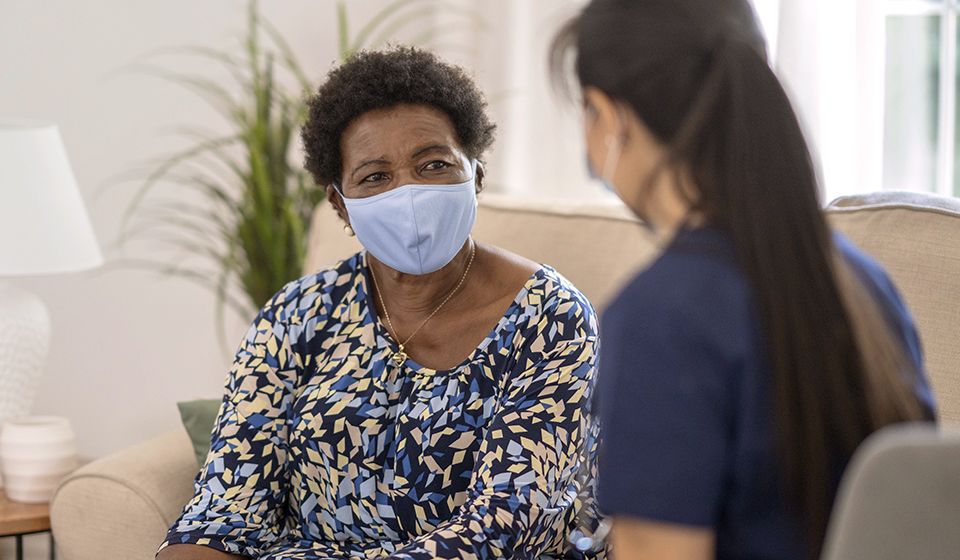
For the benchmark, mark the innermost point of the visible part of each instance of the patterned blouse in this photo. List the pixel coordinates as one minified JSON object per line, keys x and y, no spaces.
{"x":322,"y":449}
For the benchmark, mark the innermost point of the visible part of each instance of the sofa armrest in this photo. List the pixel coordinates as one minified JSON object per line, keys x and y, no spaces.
{"x":121,"y":506}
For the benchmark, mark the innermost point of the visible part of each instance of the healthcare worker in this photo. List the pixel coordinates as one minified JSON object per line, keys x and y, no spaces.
{"x":740,"y":371}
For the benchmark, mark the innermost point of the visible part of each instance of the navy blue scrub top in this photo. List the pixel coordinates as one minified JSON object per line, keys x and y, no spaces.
{"x":684,"y":398}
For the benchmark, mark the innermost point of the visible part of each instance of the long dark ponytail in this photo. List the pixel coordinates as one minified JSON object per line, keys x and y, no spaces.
{"x":695,"y":72}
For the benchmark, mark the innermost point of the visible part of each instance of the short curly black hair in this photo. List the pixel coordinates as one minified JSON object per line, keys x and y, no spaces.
{"x":378,"y":79}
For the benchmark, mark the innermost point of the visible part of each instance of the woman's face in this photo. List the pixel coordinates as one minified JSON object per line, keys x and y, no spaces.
{"x":620,"y":149}
{"x":624,"y":153}
{"x":406,"y":144}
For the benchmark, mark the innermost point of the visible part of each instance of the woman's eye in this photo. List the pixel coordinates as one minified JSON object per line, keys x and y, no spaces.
{"x":374,"y":177}
{"x":434,"y":165}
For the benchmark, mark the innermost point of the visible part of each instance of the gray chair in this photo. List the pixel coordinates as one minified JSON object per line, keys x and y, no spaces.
{"x":900,"y":498}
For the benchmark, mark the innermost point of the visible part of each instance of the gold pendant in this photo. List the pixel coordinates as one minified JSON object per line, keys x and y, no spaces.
{"x":400,"y":357}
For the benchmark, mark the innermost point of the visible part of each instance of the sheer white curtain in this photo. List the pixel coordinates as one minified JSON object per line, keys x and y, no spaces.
{"x":830,"y":56}
{"x":826,"y":51}
{"x":539,"y":148}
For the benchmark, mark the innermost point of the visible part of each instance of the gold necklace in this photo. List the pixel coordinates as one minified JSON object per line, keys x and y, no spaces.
{"x":400,"y":356}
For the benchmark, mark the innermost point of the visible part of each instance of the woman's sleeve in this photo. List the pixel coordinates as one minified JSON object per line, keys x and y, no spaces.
{"x":525,"y":480}
{"x":666,"y":402}
{"x":240,"y":492}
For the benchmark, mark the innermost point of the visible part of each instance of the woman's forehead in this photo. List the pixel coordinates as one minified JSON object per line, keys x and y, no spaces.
{"x":397,"y":132}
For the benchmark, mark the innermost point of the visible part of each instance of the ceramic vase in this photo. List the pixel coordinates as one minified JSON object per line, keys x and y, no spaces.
{"x":36,"y":452}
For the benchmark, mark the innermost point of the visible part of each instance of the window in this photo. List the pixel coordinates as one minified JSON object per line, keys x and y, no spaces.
{"x":920,"y":144}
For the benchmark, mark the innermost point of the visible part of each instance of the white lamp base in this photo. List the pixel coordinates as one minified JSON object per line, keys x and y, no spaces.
{"x":24,"y":343}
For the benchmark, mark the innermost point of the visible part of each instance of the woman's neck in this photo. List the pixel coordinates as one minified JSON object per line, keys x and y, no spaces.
{"x":408,"y":294}
{"x":666,"y":203}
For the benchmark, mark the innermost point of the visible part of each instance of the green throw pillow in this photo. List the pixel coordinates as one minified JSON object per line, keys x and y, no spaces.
{"x":198,"y":418}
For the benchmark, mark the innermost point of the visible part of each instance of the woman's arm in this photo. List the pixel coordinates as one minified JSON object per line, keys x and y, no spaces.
{"x":525,"y":482}
{"x":635,"y":539}
{"x":241,"y":490}
{"x":195,"y":552}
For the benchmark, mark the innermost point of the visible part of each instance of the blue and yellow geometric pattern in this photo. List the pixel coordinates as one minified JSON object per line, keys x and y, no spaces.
{"x":323,"y":449}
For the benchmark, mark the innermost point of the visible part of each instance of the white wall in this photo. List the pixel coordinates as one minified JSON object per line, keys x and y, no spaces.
{"x":127,"y":345}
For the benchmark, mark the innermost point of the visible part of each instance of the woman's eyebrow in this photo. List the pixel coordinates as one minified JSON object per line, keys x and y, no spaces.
{"x":380,"y":160}
{"x":431,"y":148}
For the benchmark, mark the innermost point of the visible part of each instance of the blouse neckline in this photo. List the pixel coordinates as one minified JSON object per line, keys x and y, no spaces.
{"x":380,"y":330}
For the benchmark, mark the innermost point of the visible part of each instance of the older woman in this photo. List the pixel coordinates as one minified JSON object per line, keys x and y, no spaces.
{"x":425,"y":398}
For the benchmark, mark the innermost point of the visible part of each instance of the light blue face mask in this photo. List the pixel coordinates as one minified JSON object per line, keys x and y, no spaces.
{"x":609,"y":166}
{"x":415,"y":229}
{"x":596,"y":177}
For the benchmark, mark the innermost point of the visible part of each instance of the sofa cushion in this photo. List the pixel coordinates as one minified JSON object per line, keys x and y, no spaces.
{"x":198,"y":418}
{"x":917,"y":238}
{"x":120,"y":506}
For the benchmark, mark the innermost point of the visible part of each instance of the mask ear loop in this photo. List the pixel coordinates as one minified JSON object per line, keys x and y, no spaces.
{"x":474,"y":162}
{"x":612,"y":161}
{"x":347,"y":227}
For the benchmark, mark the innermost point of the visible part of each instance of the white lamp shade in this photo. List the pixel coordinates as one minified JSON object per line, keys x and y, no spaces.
{"x":44,"y":227}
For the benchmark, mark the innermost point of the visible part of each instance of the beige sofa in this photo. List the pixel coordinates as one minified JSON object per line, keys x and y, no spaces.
{"x":120,"y":506}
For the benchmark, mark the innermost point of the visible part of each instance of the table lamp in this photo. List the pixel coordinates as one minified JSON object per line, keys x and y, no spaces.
{"x":44,"y":230}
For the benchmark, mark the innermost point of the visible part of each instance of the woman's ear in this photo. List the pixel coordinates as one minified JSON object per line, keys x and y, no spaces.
{"x":608,"y":114}
{"x":479,"y":177}
{"x":333,"y":195}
